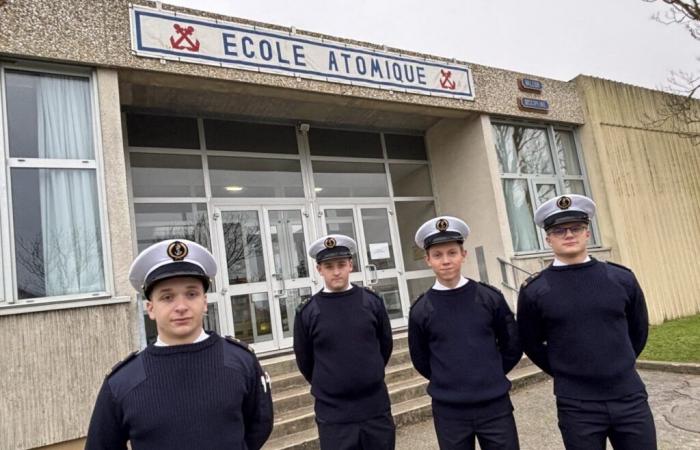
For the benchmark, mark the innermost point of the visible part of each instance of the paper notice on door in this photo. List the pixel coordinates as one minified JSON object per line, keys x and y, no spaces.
{"x":379,"y":250}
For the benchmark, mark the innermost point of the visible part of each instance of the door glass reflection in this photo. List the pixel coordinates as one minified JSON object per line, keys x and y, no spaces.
{"x":288,"y":306}
{"x":288,"y":244}
{"x":388,"y":290}
{"x":243,"y":244}
{"x":251,"y":317}
{"x":380,"y":251}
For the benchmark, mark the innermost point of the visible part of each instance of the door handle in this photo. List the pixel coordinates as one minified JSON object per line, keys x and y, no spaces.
{"x":282,"y":291}
{"x":373,"y":271}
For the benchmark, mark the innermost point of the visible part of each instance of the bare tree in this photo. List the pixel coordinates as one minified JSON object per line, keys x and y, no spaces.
{"x":681,"y":111}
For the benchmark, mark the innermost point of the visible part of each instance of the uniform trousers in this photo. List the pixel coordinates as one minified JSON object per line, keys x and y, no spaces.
{"x":377,"y":433}
{"x":626,"y":421}
{"x":491,"y":423}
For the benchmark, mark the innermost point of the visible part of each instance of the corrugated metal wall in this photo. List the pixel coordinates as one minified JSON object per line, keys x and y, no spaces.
{"x":648,"y":178}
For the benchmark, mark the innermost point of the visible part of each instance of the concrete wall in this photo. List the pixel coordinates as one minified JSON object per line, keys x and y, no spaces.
{"x":53,"y":362}
{"x":466,"y":186}
{"x":645,"y":177}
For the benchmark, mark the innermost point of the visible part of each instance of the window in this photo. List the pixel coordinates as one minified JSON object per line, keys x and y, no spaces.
{"x":536,"y":164}
{"x":53,"y":205}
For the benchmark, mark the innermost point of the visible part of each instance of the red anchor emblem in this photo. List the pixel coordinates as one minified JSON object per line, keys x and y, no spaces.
{"x":445,"y":81}
{"x":185,"y":33}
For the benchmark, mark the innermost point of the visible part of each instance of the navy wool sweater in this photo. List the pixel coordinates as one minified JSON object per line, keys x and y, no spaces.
{"x":342,"y":342}
{"x":464,"y":341}
{"x":585,"y":324}
{"x":206,"y":395}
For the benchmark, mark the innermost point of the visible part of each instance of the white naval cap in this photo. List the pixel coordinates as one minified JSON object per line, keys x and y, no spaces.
{"x":169,"y":259}
{"x":564,"y":209}
{"x":331,"y":247}
{"x":440,"y":230}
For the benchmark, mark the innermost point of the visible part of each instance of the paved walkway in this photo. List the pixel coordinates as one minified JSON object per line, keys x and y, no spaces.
{"x":674,"y":399}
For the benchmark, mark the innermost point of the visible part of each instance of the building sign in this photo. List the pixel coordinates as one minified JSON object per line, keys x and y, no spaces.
{"x":528,"y":84}
{"x":533,"y":104}
{"x":166,"y":35}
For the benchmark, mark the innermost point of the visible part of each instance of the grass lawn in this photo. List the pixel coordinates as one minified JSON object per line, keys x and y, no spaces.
{"x":676,"y":340}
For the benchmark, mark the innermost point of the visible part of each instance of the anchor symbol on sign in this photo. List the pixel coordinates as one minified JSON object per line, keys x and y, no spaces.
{"x":185,"y":33}
{"x":445,"y":81}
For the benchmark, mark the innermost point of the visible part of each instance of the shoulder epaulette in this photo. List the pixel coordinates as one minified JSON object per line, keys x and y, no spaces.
{"x":530,"y":279}
{"x":303,"y":304}
{"x":240,"y":343}
{"x":619,"y":265}
{"x":493,"y":288}
{"x":420,"y":297}
{"x":123,"y":362}
{"x":371,"y":292}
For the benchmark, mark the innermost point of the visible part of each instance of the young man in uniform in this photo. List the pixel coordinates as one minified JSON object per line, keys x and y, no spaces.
{"x":190,"y":389}
{"x":462,"y":337}
{"x":584,"y":322}
{"x":342,"y":342}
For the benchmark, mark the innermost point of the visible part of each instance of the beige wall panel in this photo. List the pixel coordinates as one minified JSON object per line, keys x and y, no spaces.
{"x":53,"y":364}
{"x":464,"y":187}
{"x":648,"y":179}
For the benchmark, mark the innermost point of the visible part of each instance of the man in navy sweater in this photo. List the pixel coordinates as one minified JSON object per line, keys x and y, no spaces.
{"x":585,"y":322}
{"x":462,"y":337}
{"x":342,"y":342}
{"x":190,"y":389}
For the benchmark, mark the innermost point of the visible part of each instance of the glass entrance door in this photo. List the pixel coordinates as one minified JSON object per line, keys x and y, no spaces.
{"x":266,"y":271}
{"x":378,"y":263}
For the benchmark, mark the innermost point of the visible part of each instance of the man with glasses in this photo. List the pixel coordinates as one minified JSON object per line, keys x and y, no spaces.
{"x":584,"y":322}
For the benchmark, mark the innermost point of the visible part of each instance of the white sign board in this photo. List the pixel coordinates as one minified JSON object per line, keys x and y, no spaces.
{"x":379,"y":251}
{"x":167,"y":35}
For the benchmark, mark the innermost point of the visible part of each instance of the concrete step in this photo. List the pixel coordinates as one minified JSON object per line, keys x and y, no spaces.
{"x":298,"y":396}
{"x":406,"y":410}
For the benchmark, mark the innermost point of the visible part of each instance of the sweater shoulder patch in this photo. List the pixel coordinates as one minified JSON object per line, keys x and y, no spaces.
{"x":530,"y":279}
{"x":372,"y":293}
{"x":491,"y":287}
{"x":303,"y":304}
{"x":420,"y":297}
{"x":123,"y":363}
{"x":619,"y":265}
{"x":239,"y":343}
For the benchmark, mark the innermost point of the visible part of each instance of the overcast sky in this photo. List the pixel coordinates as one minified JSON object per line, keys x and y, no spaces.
{"x":613,"y":39}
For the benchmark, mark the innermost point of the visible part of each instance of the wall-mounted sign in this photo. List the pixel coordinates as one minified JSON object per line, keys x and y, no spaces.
{"x":530,"y":85}
{"x":533,"y":104}
{"x":171,"y":36}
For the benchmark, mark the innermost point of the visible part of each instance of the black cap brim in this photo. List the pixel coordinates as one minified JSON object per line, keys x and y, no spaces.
{"x":442,"y":238}
{"x":565,"y":217}
{"x":333,"y":253}
{"x":174,"y":270}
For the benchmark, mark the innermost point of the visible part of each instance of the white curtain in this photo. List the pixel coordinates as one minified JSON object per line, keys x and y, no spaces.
{"x":70,"y":226}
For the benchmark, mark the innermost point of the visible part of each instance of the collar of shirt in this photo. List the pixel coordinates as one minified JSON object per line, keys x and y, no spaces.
{"x":200,"y":338}
{"x":557,"y":262}
{"x":347,"y":288}
{"x":440,"y":287}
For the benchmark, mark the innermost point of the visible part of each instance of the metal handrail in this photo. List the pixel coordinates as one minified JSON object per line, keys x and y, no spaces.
{"x":505,"y":279}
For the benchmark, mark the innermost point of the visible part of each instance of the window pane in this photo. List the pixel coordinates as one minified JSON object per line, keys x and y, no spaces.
{"x":49,"y":116}
{"x":211,"y":318}
{"x":347,"y":179}
{"x":410,"y":216}
{"x":523,"y":150}
{"x":342,"y":221}
{"x":400,"y":146}
{"x":566,"y":152}
{"x":243,"y":245}
{"x":250,"y":137}
{"x":520,"y":215}
{"x":251,"y":317}
{"x":255,"y":177}
{"x":288,"y":244}
{"x":160,"y":175}
{"x":157,"y":222}
{"x":418,"y":286}
{"x":162,"y":131}
{"x":58,"y":242}
{"x":388,"y":290}
{"x":355,"y":144}
{"x":411,"y":180}
{"x":380,"y":250}
{"x":545,"y":192}
{"x":288,"y":306}
{"x":574,"y":187}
